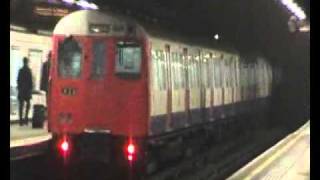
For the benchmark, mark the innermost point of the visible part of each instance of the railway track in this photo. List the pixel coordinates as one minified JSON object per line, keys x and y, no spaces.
{"x":221,"y":160}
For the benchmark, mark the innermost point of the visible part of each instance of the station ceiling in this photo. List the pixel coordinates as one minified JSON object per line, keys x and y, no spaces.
{"x":259,"y":26}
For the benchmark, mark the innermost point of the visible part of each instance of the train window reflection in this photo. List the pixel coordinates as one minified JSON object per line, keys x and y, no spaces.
{"x":69,"y":58}
{"x":128,"y":58}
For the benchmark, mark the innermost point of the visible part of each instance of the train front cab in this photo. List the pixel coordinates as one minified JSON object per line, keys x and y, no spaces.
{"x":98,"y":98}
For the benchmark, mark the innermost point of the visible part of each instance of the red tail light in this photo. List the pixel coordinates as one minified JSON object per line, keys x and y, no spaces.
{"x":131,"y":151}
{"x":64,"y":146}
{"x":130,"y":157}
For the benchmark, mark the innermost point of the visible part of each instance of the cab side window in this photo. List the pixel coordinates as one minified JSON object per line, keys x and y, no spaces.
{"x":128,"y":58}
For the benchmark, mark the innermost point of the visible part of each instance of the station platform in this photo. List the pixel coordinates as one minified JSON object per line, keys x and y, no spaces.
{"x":26,"y":141}
{"x":288,"y":159}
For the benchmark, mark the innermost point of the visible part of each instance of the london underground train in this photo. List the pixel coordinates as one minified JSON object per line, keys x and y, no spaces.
{"x":123,"y":93}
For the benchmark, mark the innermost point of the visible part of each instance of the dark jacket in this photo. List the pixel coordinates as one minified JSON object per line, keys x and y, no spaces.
{"x":45,"y":77}
{"x":25,"y":83}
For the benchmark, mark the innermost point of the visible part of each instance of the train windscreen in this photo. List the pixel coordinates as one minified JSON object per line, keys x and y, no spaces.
{"x":69,"y":58}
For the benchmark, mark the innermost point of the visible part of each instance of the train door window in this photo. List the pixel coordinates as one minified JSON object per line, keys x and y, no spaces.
{"x":173,"y":71}
{"x":155,"y":73}
{"x":194,"y":72}
{"x":160,"y":69}
{"x":190,"y":72}
{"x":231,"y":70}
{"x":232,"y":78}
{"x":163,"y":66}
{"x":236,"y":75}
{"x":182,"y":70}
{"x":176,"y":71}
{"x":205,"y":73}
{"x":208,"y":66}
{"x":98,"y":68}
{"x":128,"y":58}
{"x":197,"y":74}
{"x":229,"y":73}
{"x":179,"y":70}
{"x":218,"y":71}
{"x":225,"y":73}
{"x":212,"y":73}
{"x":69,"y":58}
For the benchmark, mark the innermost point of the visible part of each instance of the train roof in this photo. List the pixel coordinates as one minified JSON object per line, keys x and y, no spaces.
{"x":83,"y":22}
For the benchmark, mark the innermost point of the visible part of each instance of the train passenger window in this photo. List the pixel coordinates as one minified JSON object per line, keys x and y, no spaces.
{"x":212,"y":73}
{"x":193,"y":79}
{"x":99,"y":55}
{"x":217,"y":70}
{"x":128,"y":58}
{"x":205,"y":70}
{"x":155,"y":73}
{"x":162,"y":69}
{"x":228,"y":73}
{"x":236,"y":75}
{"x":69,"y":58}
{"x":176,"y":71}
{"x":197,"y":74}
{"x":182,"y":70}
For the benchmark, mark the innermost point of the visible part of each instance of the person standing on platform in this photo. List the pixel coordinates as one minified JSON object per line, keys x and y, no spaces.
{"x":25,"y":86}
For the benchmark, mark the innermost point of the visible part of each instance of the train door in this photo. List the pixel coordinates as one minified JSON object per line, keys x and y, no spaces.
{"x":96,"y":81}
{"x":68,"y":90}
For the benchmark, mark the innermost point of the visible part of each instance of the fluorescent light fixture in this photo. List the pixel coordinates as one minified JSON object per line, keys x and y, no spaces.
{"x":68,"y":1}
{"x":216,"y":37}
{"x":305,"y":28}
{"x":294,"y":8}
{"x":87,"y":5}
{"x":44,"y":32}
{"x":82,"y":3}
{"x":17,"y":28}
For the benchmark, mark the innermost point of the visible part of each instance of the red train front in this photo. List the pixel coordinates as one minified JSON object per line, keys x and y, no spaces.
{"x":98,"y":86}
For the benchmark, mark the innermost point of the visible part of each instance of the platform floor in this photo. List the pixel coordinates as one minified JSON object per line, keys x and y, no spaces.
{"x":288,"y":159}
{"x":26,"y":135}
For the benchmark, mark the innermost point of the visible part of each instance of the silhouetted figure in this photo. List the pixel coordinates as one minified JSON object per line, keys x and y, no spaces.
{"x":45,"y":74}
{"x":24,"y":90}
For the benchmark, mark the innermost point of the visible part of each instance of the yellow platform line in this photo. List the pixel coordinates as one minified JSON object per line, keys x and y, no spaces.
{"x":264,"y":160}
